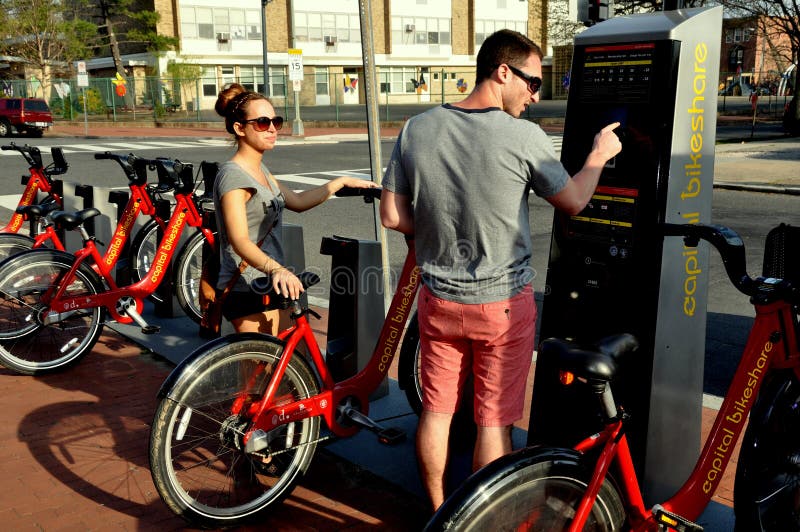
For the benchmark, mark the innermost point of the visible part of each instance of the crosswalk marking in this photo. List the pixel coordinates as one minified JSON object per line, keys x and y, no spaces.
{"x":309,"y":178}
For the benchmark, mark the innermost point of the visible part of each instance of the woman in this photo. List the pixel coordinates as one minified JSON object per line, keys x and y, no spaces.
{"x":249,"y":203}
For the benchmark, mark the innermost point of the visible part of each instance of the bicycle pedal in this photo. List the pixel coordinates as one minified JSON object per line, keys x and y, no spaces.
{"x":391,"y":436}
{"x":669,"y":521}
{"x":151,"y":329}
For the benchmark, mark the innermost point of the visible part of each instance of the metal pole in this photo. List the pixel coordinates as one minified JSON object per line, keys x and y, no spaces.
{"x":374,"y":133}
{"x":264,"y":45}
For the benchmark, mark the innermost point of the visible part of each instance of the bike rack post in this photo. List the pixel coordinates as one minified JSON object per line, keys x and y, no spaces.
{"x":123,"y":267}
{"x":77,"y":197}
{"x":356,"y":309}
{"x":165,"y":306}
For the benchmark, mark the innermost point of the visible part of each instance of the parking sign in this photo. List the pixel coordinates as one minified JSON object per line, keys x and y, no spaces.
{"x":295,"y":64}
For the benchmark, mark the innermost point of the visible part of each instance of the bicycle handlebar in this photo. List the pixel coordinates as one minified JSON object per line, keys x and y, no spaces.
{"x":369,"y":194}
{"x":728,"y":243}
{"x":172,"y":173}
{"x":32,"y":154}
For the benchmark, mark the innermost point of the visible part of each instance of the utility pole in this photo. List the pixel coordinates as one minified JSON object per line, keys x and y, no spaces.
{"x":264,"y":45}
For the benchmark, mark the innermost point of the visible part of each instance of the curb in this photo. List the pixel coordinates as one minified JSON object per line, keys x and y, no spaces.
{"x":791,"y":190}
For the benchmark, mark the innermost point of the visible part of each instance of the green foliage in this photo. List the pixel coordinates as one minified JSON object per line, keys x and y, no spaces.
{"x":94,"y":102}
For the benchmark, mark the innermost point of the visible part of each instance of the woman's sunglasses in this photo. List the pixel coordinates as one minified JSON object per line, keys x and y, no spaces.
{"x":262,"y":123}
{"x":534,"y":83}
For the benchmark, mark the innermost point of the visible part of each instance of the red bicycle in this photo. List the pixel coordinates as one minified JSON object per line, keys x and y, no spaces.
{"x":52,"y":303}
{"x":546,"y":488}
{"x":140,"y":201}
{"x":238,"y":421}
{"x":38,"y":180}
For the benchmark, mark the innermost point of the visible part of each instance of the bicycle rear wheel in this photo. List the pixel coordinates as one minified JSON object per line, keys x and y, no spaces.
{"x":533,"y":489}
{"x":188,"y":269}
{"x":12,"y":243}
{"x":767,"y":488}
{"x":197,"y":457}
{"x":27,"y":344}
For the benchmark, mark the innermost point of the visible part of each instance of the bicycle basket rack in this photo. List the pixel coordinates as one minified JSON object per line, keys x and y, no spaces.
{"x":782,"y":253}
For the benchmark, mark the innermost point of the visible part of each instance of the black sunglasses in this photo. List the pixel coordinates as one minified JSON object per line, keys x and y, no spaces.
{"x":262,"y":123}
{"x":534,"y":83}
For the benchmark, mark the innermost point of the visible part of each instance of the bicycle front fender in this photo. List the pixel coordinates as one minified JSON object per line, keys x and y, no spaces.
{"x":186,"y":368}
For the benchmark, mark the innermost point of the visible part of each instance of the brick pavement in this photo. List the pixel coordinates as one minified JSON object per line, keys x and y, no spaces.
{"x":75,"y":457}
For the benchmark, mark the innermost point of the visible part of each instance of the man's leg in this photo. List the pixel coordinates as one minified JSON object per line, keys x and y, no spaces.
{"x":433,"y":436}
{"x":492,"y":443}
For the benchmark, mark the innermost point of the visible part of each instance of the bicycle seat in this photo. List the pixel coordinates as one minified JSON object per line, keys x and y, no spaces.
{"x":38,"y":211}
{"x":71,"y":220}
{"x":263,"y":286}
{"x":598,"y":362}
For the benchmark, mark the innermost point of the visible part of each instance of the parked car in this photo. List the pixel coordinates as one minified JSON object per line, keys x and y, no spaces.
{"x":25,"y":115}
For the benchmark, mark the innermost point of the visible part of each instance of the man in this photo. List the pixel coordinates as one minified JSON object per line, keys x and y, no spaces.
{"x":459,"y":179}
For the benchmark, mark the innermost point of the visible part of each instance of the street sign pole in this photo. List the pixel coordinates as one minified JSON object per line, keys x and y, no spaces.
{"x":296,"y":77}
{"x":83,"y":82}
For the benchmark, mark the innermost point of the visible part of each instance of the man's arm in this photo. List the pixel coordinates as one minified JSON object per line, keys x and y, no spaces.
{"x":396,"y":212}
{"x":578,"y":190}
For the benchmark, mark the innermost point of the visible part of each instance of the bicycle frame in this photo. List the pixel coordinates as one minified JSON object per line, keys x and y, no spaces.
{"x":771,"y":344}
{"x":36,"y":182}
{"x":185,"y":212}
{"x":266,"y":417}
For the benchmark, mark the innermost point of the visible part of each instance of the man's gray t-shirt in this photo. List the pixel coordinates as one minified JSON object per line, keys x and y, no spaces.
{"x":468,"y":174}
{"x":264,"y":217}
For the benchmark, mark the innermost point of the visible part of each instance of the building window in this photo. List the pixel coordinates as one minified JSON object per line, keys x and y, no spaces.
{"x":253,"y":18}
{"x":420,"y":30}
{"x":188,"y":23}
{"x":398,"y":80}
{"x":209,"y":82}
{"x":312,"y":26}
{"x":277,"y":81}
{"x":484,"y":28}
{"x":321,"y":81}
{"x":205,"y":23}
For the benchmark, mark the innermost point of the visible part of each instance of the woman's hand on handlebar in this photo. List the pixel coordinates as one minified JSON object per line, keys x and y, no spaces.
{"x":352,"y":182}
{"x":286,"y":283}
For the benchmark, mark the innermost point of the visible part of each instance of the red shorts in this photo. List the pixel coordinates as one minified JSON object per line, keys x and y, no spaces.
{"x":493,"y":341}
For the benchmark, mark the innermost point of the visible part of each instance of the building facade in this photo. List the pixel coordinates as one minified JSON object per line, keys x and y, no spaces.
{"x":424,"y":49}
{"x":754,"y":53}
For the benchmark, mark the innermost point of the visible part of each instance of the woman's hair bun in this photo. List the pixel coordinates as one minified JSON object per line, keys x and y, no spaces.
{"x":226,"y":96}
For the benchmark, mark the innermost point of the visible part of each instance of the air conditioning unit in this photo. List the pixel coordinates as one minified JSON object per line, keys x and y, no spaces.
{"x":330,"y":40}
{"x":410,"y":28}
{"x":223,"y":37}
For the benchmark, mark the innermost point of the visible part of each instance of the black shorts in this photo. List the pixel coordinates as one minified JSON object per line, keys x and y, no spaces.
{"x":240,"y":304}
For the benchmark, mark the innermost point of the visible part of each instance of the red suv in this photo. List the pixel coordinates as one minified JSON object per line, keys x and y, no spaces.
{"x":26,"y":115}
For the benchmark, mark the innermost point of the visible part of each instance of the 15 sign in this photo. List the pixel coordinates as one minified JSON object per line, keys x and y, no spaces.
{"x":295,"y":64}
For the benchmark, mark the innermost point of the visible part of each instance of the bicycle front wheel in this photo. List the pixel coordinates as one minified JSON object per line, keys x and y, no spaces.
{"x":143,"y":253}
{"x":34,"y":339}
{"x":12,"y":244}
{"x":197,"y":457}
{"x":528,"y":490}
{"x":188,"y":269}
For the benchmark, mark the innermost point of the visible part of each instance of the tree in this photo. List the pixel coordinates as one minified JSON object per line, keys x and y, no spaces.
{"x":776,"y":17}
{"x":185,"y":74}
{"x":123,"y":24}
{"x":46,"y":34}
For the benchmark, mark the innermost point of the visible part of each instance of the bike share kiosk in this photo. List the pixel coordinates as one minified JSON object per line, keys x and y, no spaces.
{"x":610,"y":269}
{"x":356,"y":310}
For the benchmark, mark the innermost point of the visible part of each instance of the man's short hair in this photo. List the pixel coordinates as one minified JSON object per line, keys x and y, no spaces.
{"x":503,"y":46}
